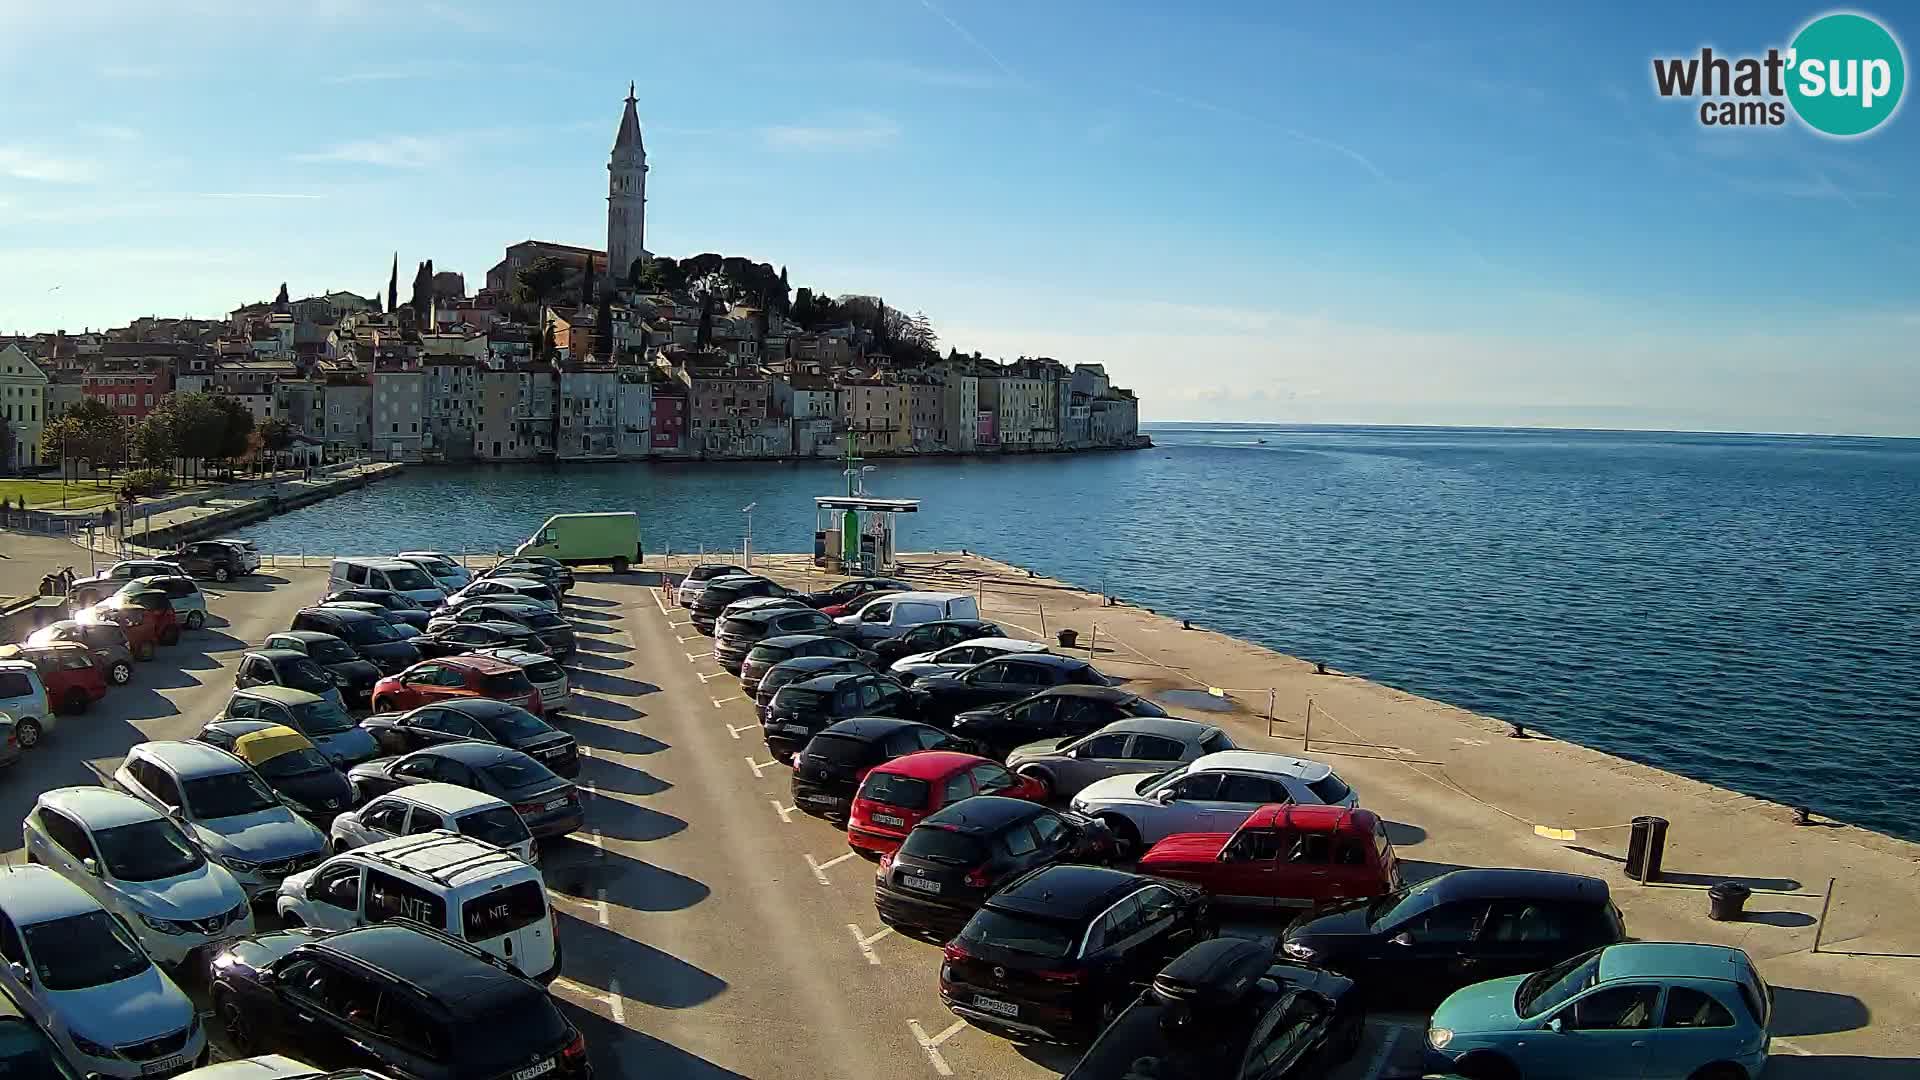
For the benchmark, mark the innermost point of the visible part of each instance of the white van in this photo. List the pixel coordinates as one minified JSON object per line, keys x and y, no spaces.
{"x":398,"y":575}
{"x":479,"y":893}
{"x":892,"y":614}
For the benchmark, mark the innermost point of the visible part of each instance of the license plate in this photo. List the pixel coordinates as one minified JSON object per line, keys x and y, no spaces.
{"x":794,"y":729}
{"x":821,"y":800}
{"x":921,"y":885}
{"x":889,"y":819}
{"x":164,"y":1065}
{"x":995,"y":1006}
{"x":541,"y":1069}
{"x":555,"y":804}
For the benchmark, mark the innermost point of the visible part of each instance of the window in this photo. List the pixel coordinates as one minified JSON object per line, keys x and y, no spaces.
{"x":15,"y":684}
{"x":1614,"y":1008}
{"x":503,"y":911}
{"x":1101,"y":746}
{"x":1197,"y":786}
{"x":162,"y":786}
{"x":338,"y":886}
{"x":1313,"y":849}
{"x":386,"y":816}
{"x":1155,"y":748}
{"x":1252,"y":790}
{"x":1690,"y":1008}
{"x":991,"y":778}
{"x":405,"y":1026}
{"x":1254,"y":845}
{"x":1448,"y":922}
{"x":67,"y":833}
{"x":1018,"y":841}
{"x":1329,"y":789}
{"x":956,"y":788}
{"x":1156,"y":903}
{"x":1522,"y":921}
{"x":424,"y":821}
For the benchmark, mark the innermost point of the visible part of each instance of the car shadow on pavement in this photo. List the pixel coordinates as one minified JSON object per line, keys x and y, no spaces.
{"x":622,"y":820}
{"x":1827,"y":1066}
{"x":618,"y":1051}
{"x":1060,"y":1059}
{"x":612,"y":739}
{"x":588,"y":643}
{"x":590,"y":601}
{"x":597,"y":682}
{"x":622,"y":880}
{"x":255,"y":583}
{"x":614,"y":776}
{"x":594,"y":614}
{"x":596,"y":955}
{"x":1415,"y":871}
{"x":595,"y":662}
{"x":1816,"y":1012}
{"x":1405,"y":835}
{"x":588,"y":631}
{"x":594,"y":708}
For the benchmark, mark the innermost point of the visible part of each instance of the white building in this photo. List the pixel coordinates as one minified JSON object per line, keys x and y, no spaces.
{"x":399,"y":414}
{"x":23,"y":402}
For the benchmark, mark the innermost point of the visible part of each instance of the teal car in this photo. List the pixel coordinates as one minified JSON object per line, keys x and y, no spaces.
{"x":1633,"y":1011}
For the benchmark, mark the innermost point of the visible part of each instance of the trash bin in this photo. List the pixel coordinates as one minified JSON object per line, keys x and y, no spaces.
{"x":1727,"y":901}
{"x":1645,"y":847}
{"x":1067,"y":638}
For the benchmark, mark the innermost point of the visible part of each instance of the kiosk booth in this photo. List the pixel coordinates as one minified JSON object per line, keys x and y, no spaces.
{"x":854,"y":534}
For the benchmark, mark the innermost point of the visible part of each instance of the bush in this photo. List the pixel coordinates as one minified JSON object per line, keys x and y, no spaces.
{"x":141,"y":483}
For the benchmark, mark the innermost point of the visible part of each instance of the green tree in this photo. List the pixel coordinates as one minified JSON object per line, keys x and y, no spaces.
{"x":539,"y":281}
{"x":803,"y":307}
{"x":151,"y":441}
{"x":587,"y":284}
{"x":280,"y":301}
{"x":660,"y":272}
{"x":235,"y":430}
{"x":704,"y":336}
{"x":275,"y":435}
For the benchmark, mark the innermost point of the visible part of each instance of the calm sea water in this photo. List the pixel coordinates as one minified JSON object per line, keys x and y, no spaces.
{"x":1741,"y":609}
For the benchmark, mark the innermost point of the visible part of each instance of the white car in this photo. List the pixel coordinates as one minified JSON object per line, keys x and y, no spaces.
{"x":23,"y":697}
{"x":451,"y":575}
{"x":507,"y":588}
{"x":1212,"y":794}
{"x":955,"y":659}
{"x":695,"y":581}
{"x":263,"y":1067}
{"x":139,"y":865}
{"x":419,"y":808}
{"x":80,"y":974}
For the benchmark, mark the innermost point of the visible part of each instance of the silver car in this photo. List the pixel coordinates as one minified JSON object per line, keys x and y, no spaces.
{"x":1136,"y":745}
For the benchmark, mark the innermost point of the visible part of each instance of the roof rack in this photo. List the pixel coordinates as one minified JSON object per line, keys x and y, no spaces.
{"x":444,"y":874}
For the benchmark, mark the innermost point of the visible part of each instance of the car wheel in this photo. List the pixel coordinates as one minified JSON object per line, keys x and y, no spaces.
{"x":620,"y":566}
{"x":1126,"y":838}
{"x":220,"y":573}
{"x":1041,"y":776}
{"x":292,"y":921}
{"x":196,"y":619}
{"x":121,"y":673}
{"x":234,"y":1020}
{"x":380,"y":705}
{"x":77,"y":701}
{"x":144,"y":650}
{"x":27,"y":734}
{"x":1484,"y":1066}
{"x":172,"y":637}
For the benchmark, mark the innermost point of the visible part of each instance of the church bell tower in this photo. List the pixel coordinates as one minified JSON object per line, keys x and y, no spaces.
{"x":626,"y":195}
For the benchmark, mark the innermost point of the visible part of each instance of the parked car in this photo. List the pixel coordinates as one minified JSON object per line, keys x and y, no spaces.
{"x":736,"y":634}
{"x":146,"y":617}
{"x":323,"y":722}
{"x":29,"y":1050}
{"x":800,"y":669}
{"x":610,"y":538}
{"x":1003,"y":680}
{"x":303,"y":777}
{"x":1458,"y":928}
{"x":953,"y":860}
{"x":1067,"y":711}
{"x":694,"y":581}
{"x":501,"y":588}
{"x":775,"y":650}
{"x":801,"y":710}
{"x":396,"y":996}
{"x":554,"y":632}
{"x":106,"y":641}
{"x":183,"y":595}
{"x":399,"y":606}
{"x":71,"y":680}
{"x":454,"y":639}
{"x":1227,"y":1010}
{"x":91,"y":590}
{"x":352,"y":675}
{"x":1055,"y":954}
{"x":372,"y":637}
{"x":1210,"y":794}
{"x":1657,"y":1010}
{"x":221,"y":560}
{"x":1134,"y":745}
{"x":449,"y":575}
{"x":285,"y":667}
{"x":892,"y":614}
{"x":1284,"y":856}
{"x":23,"y":699}
{"x":478,"y":719}
{"x":463,"y":888}
{"x":135,"y":862}
{"x":226,"y":808}
{"x":830,"y":768}
{"x":721,"y":591}
{"x":759,"y":603}
{"x":838,"y":599}
{"x":395,"y":574}
{"x":557,"y":576}
{"x":955,"y":659}
{"x":401,"y":624}
{"x":83,"y":977}
{"x":899,"y":794}
{"x":929,"y":637}
{"x":423,"y":808}
{"x":453,"y":678}
{"x":549,"y":805}
{"x":544,"y":672}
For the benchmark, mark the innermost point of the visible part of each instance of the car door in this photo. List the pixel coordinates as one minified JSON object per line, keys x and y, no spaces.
{"x":253,"y":671}
{"x":1605,"y":1034}
{"x":1167,"y":930}
{"x":991,"y":779}
{"x":381,"y":819}
{"x":324,"y":1006}
{"x":982,"y":684}
{"x":419,"y":769}
{"x":1305,"y":864}
{"x":1695,"y":1028}
{"x":1517,"y":937}
{"x":875,"y":621}
{"x":333,"y":896}
{"x":1249,"y":866}
{"x":888,"y":698}
{"x":1081,"y":716}
{"x":21,"y":988}
{"x":1029,"y":720}
{"x":63,"y":844}
{"x":1430,"y":952}
{"x":1185,"y":810}
{"x":1057,"y":841}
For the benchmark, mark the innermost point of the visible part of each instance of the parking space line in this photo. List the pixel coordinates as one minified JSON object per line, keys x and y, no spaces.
{"x":696,"y":657}
{"x":599,"y":844}
{"x":735,"y":731}
{"x":719,"y":701}
{"x":615,"y":1002}
{"x":758,"y":766}
{"x":932,"y":1045}
{"x":660,"y":603}
{"x":678,"y":625}
{"x":600,"y":905}
{"x":684,"y":640}
{"x":586,"y":751}
{"x":785,"y":812}
{"x":1384,"y":1055}
{"x":1791,"y":1048}
{"x":865,"y":942}
{"x":820,"y":868}
{"x":708,"y":676}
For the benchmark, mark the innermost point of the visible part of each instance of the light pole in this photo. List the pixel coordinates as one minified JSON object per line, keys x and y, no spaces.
{"x":864,"y":470}
{"x":746,"y":546}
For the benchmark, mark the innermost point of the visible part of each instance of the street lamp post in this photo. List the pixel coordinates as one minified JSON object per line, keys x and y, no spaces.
{"x":746,"y":545}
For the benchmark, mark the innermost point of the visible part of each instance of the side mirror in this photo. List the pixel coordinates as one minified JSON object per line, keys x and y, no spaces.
{"x":1556,"y":1026}
{"x":1163,"y":796}
{"x":21,"y":973}
{"x":92,"y":866}
{"x":1402,"y":938}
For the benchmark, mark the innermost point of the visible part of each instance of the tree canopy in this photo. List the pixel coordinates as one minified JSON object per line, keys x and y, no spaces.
{"x":539,"y":281}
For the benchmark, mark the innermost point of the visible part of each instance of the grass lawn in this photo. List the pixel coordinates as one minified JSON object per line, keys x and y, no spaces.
{"x":45,"y":494}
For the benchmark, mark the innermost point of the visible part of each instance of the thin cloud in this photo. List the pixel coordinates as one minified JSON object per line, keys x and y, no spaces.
{"x":389,"y":151}
{"x":23,"y":163}
{"x":372,"y":76}
{"x":258,"y":195}
{"x":138,"y":71}
{"x":116,"y":132}
{"x":945,"y":78}
{"x":874,"y":132}
{"x":967,"y":35}
{"x":1295,"y":134}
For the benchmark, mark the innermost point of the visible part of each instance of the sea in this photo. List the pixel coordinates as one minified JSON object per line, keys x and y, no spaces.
{"x":1742,"y":609}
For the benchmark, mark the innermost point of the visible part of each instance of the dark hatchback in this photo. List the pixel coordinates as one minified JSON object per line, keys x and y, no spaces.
{"x":401,"y":605}
{"x":452,"y":639}
{"x":951,"y":862}
{"x":557,"y":575}
{"x":829,"y":769}
{"x":354,"y":676}
{"x":801,"y":710}
{"x":722,"y":591}
{"x":395,"y":997}
{"x":554,"y":631}
{"x":1054,"y":955}
{"x":778,"y":650}
{"x":1424,"y":942}
{"x":549,"y":805}
{"x":800,"y":669}
{"x":850,"y":592}
{"x":736,"y":634}
{"x":479,"y":719}
{"x":370,"y":636}
{"x":934,"y":635}
{"x":1227,"y":1010}
{"x":1002,"y":679}
{"x":1058,"y":712}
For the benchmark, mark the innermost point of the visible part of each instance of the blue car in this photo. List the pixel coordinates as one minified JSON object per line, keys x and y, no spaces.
{"x":1633,"y":1011}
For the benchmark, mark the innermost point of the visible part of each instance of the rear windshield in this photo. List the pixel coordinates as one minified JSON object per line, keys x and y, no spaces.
{"x":304,"y":674}
{"x":769,"y":654}
{"x":1216,"y":742}
{"x":892,"y":789}
{"x":546,"y":671}
{"x":511,"y":724}
{"x":841,"y":750}
{"x":944,"y":845}
{"x":322,"y":717}
{"x":1330,"y":788}
{"x":1015,"y":934}
{"x":507,"y":1037}
{"x":543,"y":620}
{"x":506,"y":683}
{"x":512,"y":774}
{"x":500,"y":826}
{"x":503,"y":911}
{"x":737,"y":626}
{"x":799,"y":702}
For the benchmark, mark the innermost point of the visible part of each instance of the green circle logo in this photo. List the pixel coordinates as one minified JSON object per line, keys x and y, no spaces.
{"x":1846,"y":74}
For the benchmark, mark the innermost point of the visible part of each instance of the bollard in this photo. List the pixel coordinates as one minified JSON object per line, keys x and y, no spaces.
{"x":1727,"y":900}
{"x":1646,"y":846}
{"x":1306,"y":739}
{"x":1043,"y":618}
{"x":1093,"y":640}
{"x":1820,"y":928}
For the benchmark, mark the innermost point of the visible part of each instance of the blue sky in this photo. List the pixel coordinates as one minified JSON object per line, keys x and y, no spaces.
{"x":1400,"y":213}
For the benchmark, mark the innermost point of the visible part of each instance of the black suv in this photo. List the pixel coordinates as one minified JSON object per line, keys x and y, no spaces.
{"x":799,"y":669}
{"x":736,"y":635}
{"x":1068,"y":711}
{"x":216,"y":559}
{"x":771,"y":651}
{"x":478,"y":719}
{"x":829,"y":770}
{"x":1004,"y":678}
{"x":553,"y":630}
{"x":803,"y":709}
{"x":1226,"y":1010}
{"x":1463,"y":927}
{"x":406,"y":608}
{"x":849,"y":592}
{"x":373,"y":637}
{"x":722,"y":591}
{"x":954,"y":860}
{"x":394,"y":996}
{"x":557,"y":575}
{"x":934,"y":635}
{"x":454,"y":638}
{"x":354,"y":676}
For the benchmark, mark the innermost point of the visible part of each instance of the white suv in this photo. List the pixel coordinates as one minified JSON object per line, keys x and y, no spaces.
{"x":24,"y":697}
{"x":83,"y":978}
{"x":423,"y":808}
{"x":1211,"y":794}
{"x":139,"y":865}
{"x":476,"y":892}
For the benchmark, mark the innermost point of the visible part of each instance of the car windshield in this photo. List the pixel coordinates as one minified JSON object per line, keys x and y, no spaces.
{"x":302,"y":762}
{"x":1397,"y":907}
{"x":409,"y":578}
{"x":509,"y":725}
{"x":944,"y":845}
{"x":1150,"y":784}
{"x":27,"y":1054}
{"x":305,"y":675}
{"x":500,"y":826}
{"x":1544,"y":990}
{"x":147,"y":851}
{"x":514,"y":774}
{"x":1016,"y":934}
{"x":334,"y":651}
{"x":228,"y":795}
{"x":321,"y":717}
{"x":371,"y":631}
{"x":83,"y":950}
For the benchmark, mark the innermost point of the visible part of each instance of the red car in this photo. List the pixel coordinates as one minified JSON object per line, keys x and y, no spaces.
{"x":895,"y":796}
{"x":147,"y":616}
{"x":72,"y":679}
{"x":455,"y":677}
{"x":1285,"y":855}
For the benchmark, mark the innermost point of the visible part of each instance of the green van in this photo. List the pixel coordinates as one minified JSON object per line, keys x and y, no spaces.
{"x":573,"y":539}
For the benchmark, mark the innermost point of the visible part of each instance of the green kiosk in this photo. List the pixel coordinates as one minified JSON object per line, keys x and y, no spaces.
{"x":853,"y":533}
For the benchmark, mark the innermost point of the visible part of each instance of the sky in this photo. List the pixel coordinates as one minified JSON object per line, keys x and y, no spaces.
{"x":1404,"y":213}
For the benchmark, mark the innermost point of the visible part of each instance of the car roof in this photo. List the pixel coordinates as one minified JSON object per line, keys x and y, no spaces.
{"x":277,"y":656}
{"x":1040,"y":659}
{"x":925,"y":597}
{"x":445,"y":856}
{"x":1313,"y":817}
{"x":1263,"y":762}
{"x":452,"y":798}
{"x":18,"y":665}
{"x":485,"y":665}
{"x":805,"y":663}
{"x":381,"y":563}
{"x":824,"y":682}
{"x":344,"y":614}
{"x":98,"y":807}
{"x":304,"y":635}
{"x":869,"y":728}
{"x":729,"y":580}
{"x":1066,"y":891}
{"x":517,"y":582}
{"x":510,"y":655}
{"x":473,"y":752}
{"x":1081,"y":690}
{"x":36,"y":894}
{"x":932,"y":764}
{"x":237,"y":728}
{"x":766,"y":614}
{"x":1006,"y":644}
{"x":421,"y":555}
{"x":446,"y":972}
{"x":191,"y":759}
{"x":477,"y":707}
{"x":1515,"y":884}
{"x":506,"y":628}
{"x":788,"y":641}
{"x":1670,"y":960}
{"x":985,"y":813}
{"x":966,"y":624}
{"x":1170,"y":727}
{"x":284,"y":695}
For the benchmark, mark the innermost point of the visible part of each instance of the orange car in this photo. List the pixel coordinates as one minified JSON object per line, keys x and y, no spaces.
{"x":455,"y":677}
{"x":146,"y":615}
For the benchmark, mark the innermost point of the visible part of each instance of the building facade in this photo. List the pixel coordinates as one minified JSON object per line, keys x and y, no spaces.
{"x":627,"y":195}
{"x":23,"y":402}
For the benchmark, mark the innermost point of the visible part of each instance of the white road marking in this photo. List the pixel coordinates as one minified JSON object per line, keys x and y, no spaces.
{"x":615,"y":1001}
{"x":708,"y":676}
{"x":696,"y":657}
{"x":719,"y":701}
{"x":820,"y":868}
{"x":735,"y":731}
{"x":785,"y":812}
{"x":599,"y":844}
{"x":600,"y":905}
{"x":1791,"y":1048}
{"x":757,"y":766}
{"x":1469,"y":742}
{"x":684,"y":640}
{"x":1385,"y":1054}
{"x":586,"y":751}
{"x":866,"y":943}
{"x":932,"y":1045}
{"x":660,"y":603}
